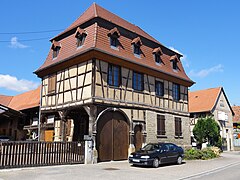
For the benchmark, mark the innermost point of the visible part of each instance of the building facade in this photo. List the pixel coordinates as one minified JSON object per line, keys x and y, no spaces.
{"x":19,"y":115}
{"x":213,"y":102}
{"x":108,"y":79}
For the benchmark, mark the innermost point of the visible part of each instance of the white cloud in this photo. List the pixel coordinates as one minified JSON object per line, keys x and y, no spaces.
{"x":205,"y":72}
{"x":14,"y":43}
{"x":14,"y":84}
{"x":183,"y":59}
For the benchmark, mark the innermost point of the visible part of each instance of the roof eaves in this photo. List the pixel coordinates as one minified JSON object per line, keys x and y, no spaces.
{"x":127,"y":59}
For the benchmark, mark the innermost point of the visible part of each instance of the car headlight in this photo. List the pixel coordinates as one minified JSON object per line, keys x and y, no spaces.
{"x":145,"y":157}
{"x":130,"y":155}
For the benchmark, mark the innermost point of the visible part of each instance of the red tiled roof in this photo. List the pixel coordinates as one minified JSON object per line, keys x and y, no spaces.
{"x":236,"y":110}
{"x":97,"y":38}
{"x":5,"y":100}
{"x":97,"y":11}
{"x":26,"y":100}
{"x":203,"y":100}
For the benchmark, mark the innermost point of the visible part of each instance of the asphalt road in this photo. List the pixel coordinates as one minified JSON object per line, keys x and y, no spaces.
{"x":225,"y":167}
{"x":230,"y":172}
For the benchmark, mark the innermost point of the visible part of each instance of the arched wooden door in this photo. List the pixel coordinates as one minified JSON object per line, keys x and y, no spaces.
{"x":138,"y":138}
{"x":112,"y":137}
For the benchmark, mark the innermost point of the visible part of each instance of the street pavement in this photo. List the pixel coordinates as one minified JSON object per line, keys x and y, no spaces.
{"x":225,"y":167}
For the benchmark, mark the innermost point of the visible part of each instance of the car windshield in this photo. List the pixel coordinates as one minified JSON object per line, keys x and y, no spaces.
{"x":151,"y":147}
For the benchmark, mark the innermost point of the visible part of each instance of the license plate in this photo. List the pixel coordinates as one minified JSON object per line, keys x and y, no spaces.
{"x":136,"y":160}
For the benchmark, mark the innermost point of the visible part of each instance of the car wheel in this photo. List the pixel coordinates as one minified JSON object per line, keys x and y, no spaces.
{"x":155,"y":163}
{"x":179,"y":160}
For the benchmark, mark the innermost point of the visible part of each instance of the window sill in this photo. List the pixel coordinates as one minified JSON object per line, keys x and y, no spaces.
{"x":137,"y":56}
{"x":51,"y":94}
{"x":80,"y":47}
{"x":138,"y":91}
{"x":161,"y":136}
{"x":178,"y":137}
{"x":114,"y":87}
{"x":115,"y":48}
{"x":159,"y":96}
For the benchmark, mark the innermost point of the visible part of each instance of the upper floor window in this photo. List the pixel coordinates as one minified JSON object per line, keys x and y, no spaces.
{"x":157,"y":52}
{"x":174,"y":64}
{"x":55,"y":48}
{"x":159,"y":86}
{"x":174,"y":60}
{"x":80,"y":35}
{"x":56,"y":52}
{"x":161,"y":125}
{"x":137,"y":43}
{"x":138,"y":81}
{"x":114,"y":35}
{"x":178,"y":126}
{"x":136,"y":49}
{"x":113,"y":41}
{"x":52,"y":84}
{"x":176,"y":92}
{"x":114,"y":75}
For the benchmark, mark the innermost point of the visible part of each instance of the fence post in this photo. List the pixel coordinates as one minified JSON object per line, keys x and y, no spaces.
{"x":88,"y":158}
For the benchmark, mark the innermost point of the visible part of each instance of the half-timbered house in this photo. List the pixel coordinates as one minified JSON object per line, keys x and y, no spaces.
{"x":107,"y":78}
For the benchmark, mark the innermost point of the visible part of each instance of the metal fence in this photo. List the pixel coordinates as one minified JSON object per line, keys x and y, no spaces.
{"x":28,"y":154}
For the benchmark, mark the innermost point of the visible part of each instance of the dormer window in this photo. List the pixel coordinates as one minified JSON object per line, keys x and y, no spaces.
{"x":113,"y":41}
{"x":174,"y":60}
{"x":55,"y":49}
{"x":137,"y":43}
{"x":113,"y":36}
{"x":174,"y":64}
{"x":80,"y":35}
{"x":157,"y":52}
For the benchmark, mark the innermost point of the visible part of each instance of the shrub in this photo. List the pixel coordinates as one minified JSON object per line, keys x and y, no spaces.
{"x":204,"y":154}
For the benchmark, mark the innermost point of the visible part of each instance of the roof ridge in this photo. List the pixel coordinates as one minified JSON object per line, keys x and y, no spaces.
{"x":95,"y":9}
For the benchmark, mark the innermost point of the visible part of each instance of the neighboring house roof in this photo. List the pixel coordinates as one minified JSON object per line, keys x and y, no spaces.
{"x":22,"y":101}
{"x":97,"y":39}
{"x":205,"y":100}
{"x":236,"y":110}
{"x":5,"y":100}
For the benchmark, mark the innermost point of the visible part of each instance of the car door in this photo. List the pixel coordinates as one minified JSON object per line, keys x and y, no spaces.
{"x":164,"y":154}
{"x":173,"y":153}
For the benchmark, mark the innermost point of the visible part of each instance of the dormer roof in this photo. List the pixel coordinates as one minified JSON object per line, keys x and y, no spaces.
{"x":137,"y":41}
{"x":80,"y":32}
{"x":157,"y":50}
{"x":114,"y":31}
{"x":55,"y":44}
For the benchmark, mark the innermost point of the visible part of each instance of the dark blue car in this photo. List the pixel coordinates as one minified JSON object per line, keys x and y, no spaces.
{"x":154,"y":154}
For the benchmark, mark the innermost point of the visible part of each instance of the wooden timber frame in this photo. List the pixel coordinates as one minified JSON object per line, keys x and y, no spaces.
{"x":84,"y":84}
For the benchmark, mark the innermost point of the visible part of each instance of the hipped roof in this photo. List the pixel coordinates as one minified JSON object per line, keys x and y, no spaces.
{"x":97,"y":40}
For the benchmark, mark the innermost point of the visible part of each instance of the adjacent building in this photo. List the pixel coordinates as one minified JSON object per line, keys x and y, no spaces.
{"x":213,"y":102}
{"x":236,"y":127}
{"x":19,"y":115}
{"x":107,"y":80}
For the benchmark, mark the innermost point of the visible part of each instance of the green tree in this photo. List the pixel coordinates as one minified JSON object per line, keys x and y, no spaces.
{"x":207,"y":130}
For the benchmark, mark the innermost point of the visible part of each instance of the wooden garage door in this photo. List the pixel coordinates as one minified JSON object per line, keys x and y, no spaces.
{"x":112,"y":138}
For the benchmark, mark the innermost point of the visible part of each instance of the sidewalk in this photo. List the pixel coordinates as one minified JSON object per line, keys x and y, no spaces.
{"x":122,"y":170}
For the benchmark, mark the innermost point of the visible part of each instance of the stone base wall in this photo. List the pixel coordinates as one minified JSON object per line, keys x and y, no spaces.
{"x":151,"y":129}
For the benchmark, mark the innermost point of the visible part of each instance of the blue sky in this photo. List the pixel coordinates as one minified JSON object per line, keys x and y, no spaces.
{"x":206,"y":32}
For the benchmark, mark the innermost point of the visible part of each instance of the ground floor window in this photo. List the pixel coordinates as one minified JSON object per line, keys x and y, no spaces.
{"x":178,"y":126}
{"x":161,"y":125}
